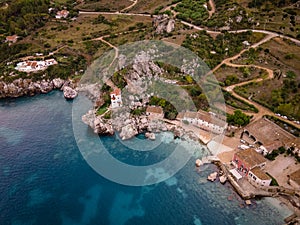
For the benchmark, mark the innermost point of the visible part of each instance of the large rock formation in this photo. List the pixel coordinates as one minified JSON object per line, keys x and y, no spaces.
{"x":163,"y":23}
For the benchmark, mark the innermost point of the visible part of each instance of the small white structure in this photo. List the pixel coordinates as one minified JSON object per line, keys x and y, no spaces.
{"x":236,"y":174}
{"x":62,"y":14}
{"x":246,"y":43}
{"x":257,"y":177}
{"x":116,"y":98}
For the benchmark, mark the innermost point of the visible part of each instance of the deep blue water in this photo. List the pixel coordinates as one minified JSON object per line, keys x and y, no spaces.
{"x":44,"y":179}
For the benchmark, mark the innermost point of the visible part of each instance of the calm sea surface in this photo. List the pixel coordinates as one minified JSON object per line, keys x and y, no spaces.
{"x":44,"y":179}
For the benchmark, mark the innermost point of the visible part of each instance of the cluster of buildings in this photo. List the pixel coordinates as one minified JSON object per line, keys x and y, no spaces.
{"x":34,"y":66}
{"x":265,"y":136}
{"x":249,"y":163}
{"x":259,"y":139}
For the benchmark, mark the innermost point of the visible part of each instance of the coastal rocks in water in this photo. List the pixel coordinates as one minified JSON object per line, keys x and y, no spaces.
{"x":198,"y":162}
{"x":128,"y":131}
{"x":20,"y":87}
{"x":212,"y":177}
{"x":163,"y":23}
{"x":69,"y":93}
{"x":97,"y":124}
{"x":103,"y":128}
{"x":150,"y":136}
{"x":223,"y":179}
{"x":157,"y":126}
{"x":178,"y":132}
{"x":58,"y":83}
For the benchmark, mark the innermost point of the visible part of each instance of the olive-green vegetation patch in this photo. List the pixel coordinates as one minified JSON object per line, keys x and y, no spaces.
{"x":238,"y":103}
{"x":232,"y":75}
{"x":192,"y":11}
{"x":213,"y":51}
{"x":146,"y":6}
{"x":104,"y":5}
{"x":278,"y":54}
{"x":282,"y":95}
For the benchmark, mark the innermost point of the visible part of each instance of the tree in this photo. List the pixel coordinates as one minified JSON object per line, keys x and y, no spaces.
{"x":238,"y":118}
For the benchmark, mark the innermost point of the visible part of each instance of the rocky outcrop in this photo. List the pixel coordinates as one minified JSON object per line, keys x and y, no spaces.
{"x":163,"y":23}
{"x":128,"y":131}
{"x":99,"y":125}
{"x":58,"y":83}
{"x":21,"y":87}
{"x":69,"y":93}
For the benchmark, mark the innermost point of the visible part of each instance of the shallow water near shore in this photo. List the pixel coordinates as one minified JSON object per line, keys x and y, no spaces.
{"x":45,"y":180}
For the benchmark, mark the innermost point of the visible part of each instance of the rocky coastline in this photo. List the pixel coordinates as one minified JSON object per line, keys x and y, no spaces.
{"x":22,"y":87}
{"x":129,"y":126}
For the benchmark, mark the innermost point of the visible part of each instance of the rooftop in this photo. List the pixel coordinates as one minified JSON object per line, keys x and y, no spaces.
{"x":251,"y":157}
{"x":269,"y":134}
{"x":205,"y":116}
{"x":117,"y":91}
{"x":154,"y":109}
{"x":260,"y":174}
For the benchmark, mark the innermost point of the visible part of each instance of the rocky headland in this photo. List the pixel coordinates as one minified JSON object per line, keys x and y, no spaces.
{"x":139,"y":78}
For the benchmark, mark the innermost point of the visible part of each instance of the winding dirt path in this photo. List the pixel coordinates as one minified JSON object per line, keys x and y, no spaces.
{"x":129,"y":7}
{"x":213,"y":8}
{"x":261,"y":109}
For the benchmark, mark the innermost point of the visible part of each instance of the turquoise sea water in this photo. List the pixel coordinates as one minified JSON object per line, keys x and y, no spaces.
{"x":44,"y":179}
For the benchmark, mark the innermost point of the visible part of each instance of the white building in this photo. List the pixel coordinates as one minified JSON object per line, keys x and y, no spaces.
{"x":257,"y":177}
{"x":205,"y":121}
{"x":33,"y":66}
{"x":62,"y":14}
{"x":116,"y":98}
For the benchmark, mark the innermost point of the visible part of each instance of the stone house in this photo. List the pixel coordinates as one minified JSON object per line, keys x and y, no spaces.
{"x":155,"y":112}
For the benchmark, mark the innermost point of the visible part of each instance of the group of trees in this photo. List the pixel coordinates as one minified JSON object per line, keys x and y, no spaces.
{"x":238,"y":118}
{"x":192,"y":11}
{"x":23,"y":16}
{"x":169,"y":110}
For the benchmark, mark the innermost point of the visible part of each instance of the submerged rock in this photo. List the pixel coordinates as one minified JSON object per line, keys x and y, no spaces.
{"x":150,"y":136}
